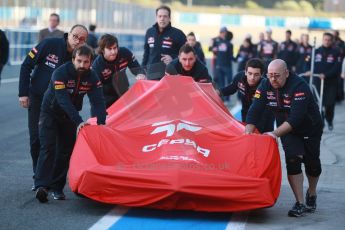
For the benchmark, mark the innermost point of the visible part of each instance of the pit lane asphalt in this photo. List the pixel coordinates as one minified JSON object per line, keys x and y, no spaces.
{"x":20,"y":210}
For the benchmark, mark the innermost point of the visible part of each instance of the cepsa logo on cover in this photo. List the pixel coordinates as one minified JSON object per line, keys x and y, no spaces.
{"x":170,"y":128}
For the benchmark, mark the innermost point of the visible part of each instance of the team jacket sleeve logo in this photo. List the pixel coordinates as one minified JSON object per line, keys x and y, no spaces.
{"x":257,"y":94}
{"x":299,"y":96}
{"x":33,"y":53}
{"x":59,"y":85}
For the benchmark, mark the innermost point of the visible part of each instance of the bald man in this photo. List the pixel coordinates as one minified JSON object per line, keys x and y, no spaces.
{"x":299,"y":125}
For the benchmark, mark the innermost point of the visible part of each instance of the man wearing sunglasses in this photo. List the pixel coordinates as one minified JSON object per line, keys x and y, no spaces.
{"x":35,"y":74}
{"x":299,"y":125}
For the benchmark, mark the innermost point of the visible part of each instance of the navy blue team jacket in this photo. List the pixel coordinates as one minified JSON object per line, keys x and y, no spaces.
{"x":293,"y":103}
{"x":39,"y":64}
{"x":66,"y":91}
{"x":168,"y":42}
{"x":199,"y":71}
{"x":113,"y":74}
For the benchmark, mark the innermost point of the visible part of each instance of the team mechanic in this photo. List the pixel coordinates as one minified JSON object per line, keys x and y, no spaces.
{"x":327,"y":65}
{"x":188,"y":64}
{"x":42,"y":60}
{"x":110,"y":66}
{"x":299,"y":125}
{"x":162,"y":44}
{"x":246,"y":82}
{"x":222,"y":49}
{"x":59,"y":120}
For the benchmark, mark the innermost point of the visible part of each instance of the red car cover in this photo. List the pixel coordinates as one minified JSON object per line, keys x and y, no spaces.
{"x":172,"y":144}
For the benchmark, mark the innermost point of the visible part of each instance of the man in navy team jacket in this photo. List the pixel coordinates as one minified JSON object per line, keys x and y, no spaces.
{"x":60,"y":119}
{"x":162,"y":44}
{"x":35,"y":74}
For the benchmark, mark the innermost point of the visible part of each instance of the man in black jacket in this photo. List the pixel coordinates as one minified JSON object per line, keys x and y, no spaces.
{"x":60,"y":119}
{"x":299,"y":125}
{"x":268,"y":48}
{"x":111,"y":65}
{"x":339,"y":44}
{"x":162,"y":44}
{"x":35,"y":74}
{"x":245,"y":83}
{"x":328,"y":66}
{"x":191,"y":40}
{"x":92,"y":39}
{"x":304,"y":51}
{"x":188,"y":64}
{"x":288,"y":51}
{"x":4,"y":50}
{"x":222,"y":49}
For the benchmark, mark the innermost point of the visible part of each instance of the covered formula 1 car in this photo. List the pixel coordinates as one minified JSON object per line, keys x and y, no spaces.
{"x":172,"y":144}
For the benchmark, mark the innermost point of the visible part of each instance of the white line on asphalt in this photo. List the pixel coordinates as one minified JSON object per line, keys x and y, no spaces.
{"x":238,"y":221}
{"x":110,"y":218}
{"x":10,"y":80}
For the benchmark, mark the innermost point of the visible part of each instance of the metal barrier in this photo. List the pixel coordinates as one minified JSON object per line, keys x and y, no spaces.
{"x":21,"y":42}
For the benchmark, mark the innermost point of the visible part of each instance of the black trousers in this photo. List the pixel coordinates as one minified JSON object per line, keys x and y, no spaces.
{"x":328,"y":114}
{"x":33,"y":118}
{"x":57,"y":137}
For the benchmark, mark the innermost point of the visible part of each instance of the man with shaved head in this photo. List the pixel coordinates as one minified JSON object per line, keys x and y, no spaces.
{"x":299,"y":125}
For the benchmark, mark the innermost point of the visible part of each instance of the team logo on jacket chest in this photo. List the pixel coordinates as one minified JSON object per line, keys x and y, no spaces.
{"x":290,"y":47}
{"x":318,"y":58}
{"x":330,"y":58}
{"x":222,"y":47}
{"x":151,"y":41}
{"x":71,"y":83}
{"x":302,"y":50}
{"x":84,"y":87}
{"x":286,"y":100}
{"x":106,"y":73}
{"x":268,"y":48}
{"x":52,"y":60}
{"x":167,"y":42}
{"x":270,"y":95}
